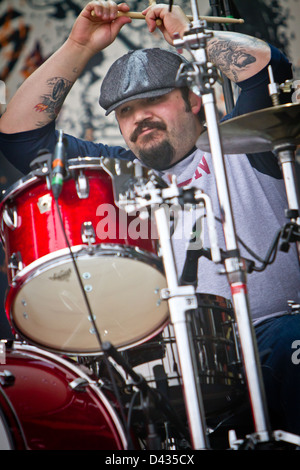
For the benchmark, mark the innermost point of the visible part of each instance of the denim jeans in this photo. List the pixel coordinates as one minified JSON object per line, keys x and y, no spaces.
{"x":278,"y":341}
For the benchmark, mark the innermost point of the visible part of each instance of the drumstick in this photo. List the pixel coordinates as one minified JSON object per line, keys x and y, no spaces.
{"x":158,"y":21}
{"x":210,"y":19}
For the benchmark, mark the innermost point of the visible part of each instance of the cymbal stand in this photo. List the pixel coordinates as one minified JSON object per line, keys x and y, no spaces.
{"x":181,"y":299}
{"x":201,"y":80}
{"x":285,"y":150}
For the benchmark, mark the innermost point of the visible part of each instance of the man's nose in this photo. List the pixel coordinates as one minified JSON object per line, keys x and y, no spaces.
{"x":142,"y":113}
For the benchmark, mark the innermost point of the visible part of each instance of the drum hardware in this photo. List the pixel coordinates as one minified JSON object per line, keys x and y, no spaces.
{"x":6,"y":378}
{"x":181,"y":298}
{"x":88,"y":234}
{"x":234,"y":267}
{"x":79,"y":384}
{"x":82,"y":186}
{"x":41,"y":165}
{"x":195,"y":41}
{"x":274,"y":88}
{"x":15,"y":264}
{"x":10,"y":217}
{"x":126,"y":177}
{"x":150,"y":397}
{"x":294,"y":307}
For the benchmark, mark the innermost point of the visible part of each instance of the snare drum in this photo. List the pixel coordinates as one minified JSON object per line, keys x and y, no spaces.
{"x":119,"y":267}
{"x":49,"y":403}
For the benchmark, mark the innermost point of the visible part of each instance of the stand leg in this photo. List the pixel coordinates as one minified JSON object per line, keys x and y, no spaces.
{"x":181,"y":299}
{"x":286,"y":156}
{"x":236,"y":276}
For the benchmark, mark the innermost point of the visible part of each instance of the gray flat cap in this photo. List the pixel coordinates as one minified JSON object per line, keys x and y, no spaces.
{"x":144,"y":73}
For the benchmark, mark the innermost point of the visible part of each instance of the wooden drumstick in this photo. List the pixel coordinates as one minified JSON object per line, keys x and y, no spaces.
{"x":210,"y":19}
{"x":158,"y":21}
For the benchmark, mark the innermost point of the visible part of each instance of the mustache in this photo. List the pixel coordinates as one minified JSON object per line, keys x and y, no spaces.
{"x":146,"y":125}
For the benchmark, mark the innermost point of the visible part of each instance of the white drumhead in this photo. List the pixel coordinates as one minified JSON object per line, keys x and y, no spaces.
{"x":124,"y":295}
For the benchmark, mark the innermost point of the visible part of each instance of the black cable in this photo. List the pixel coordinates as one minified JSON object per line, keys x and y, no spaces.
{"x":268,"y":260}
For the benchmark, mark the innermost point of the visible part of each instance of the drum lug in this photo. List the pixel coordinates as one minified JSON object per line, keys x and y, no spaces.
{"x":6,"y":378}
{"x":10,"y":217}
{"x":82,"y":186}
{"x":15,"y":264}
{"x":79,"y":384}
{"x":88,"y":233}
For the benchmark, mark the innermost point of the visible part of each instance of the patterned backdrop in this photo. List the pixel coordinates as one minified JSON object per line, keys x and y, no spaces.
{"x":31,"y":30}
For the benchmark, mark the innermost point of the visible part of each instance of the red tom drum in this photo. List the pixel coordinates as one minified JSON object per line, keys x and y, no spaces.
{"x":117,"y":259}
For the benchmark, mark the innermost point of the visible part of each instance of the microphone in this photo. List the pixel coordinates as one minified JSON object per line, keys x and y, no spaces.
{"x":189,"y":274}
{"x":58,"y":166}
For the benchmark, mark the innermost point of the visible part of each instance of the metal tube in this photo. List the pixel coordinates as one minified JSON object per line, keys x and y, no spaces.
{"x":179,"y":303}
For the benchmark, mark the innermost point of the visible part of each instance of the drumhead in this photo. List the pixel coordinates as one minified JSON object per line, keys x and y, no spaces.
{"x":49,"y":309}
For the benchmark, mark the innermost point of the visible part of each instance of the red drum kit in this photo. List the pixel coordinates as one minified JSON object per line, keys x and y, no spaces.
{"x":40,"y":265}
{"x":95,"y":365}
{"x":54,"y":370}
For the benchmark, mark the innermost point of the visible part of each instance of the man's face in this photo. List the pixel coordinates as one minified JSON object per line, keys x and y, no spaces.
{"x":159,"y":131}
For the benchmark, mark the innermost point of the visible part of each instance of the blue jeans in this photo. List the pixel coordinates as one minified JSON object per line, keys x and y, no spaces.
{"x":278,"y":341}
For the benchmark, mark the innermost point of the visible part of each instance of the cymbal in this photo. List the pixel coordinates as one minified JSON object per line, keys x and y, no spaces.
{"x":258,"y":131}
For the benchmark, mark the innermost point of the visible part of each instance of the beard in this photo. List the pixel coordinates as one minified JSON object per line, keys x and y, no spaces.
{"x":158,"y":157}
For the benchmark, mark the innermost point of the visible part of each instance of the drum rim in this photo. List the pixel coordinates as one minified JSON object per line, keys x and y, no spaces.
{"x":25,"y":181}
{"x":34,"y":351}
{"x":102,"y":249}
{"x":123,"y":252}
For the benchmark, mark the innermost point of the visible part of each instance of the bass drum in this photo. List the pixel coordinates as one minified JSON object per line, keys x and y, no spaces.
{"x":49,"y":403}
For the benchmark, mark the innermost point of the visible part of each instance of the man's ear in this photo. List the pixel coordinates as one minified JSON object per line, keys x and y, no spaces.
{"x":195,"y":102}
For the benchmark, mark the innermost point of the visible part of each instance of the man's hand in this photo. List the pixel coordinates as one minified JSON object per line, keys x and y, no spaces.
{"x":98,"y":25}
{"x":172,"y":22}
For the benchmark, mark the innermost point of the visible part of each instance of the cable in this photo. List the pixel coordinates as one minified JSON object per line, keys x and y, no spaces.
{"x":268,"y":260}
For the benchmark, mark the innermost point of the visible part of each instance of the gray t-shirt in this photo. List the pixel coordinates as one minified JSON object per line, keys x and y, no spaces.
{"x":258,"y":202}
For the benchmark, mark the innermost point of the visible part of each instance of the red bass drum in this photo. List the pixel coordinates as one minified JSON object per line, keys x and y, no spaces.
{"x":49,"y":403}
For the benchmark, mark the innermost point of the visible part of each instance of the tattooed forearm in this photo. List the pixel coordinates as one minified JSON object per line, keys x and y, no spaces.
{"x":237,"y":55}
{"x":52,"y":102}
{"x":231,"y":57}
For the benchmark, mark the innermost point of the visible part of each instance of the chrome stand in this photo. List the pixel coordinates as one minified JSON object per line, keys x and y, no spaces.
{"x":181,"y":299}
{"x":200,"y":80}
{"x":195,"y":42}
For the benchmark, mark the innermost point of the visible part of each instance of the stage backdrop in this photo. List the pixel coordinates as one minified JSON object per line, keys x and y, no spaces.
{"x":31,"y":30}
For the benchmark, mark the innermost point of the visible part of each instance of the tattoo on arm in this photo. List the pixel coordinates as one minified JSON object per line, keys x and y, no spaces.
{"x":230,"y":57}
{"x":52,"y":102}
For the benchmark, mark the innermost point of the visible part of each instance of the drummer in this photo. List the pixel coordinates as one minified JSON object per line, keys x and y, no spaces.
{"x":160,"y":122}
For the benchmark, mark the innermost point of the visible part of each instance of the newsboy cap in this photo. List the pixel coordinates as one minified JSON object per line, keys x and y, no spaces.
{"x":143,"y":73}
